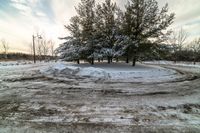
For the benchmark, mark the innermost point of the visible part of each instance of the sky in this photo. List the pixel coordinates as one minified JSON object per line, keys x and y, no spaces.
{"x":20,"y":19}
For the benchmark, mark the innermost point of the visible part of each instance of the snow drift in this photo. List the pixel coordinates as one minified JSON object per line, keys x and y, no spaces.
{"x":117,"y":71}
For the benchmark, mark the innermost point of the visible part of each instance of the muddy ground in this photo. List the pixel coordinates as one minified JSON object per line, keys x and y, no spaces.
{"x":31,"y":102}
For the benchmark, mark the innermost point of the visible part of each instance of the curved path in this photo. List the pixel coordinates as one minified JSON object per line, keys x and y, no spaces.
{"x":33,"y":102}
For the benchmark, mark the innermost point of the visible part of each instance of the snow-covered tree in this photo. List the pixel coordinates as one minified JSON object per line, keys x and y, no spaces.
{"x":107,"y":27}
{"x":144,"y":23}
{"x":103,"y":30}
{"x":84,"y":38}
{"x":86,"y":15}
{"x":71,"y":50}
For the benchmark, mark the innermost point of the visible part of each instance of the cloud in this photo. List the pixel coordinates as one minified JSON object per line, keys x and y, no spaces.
{"x":18,"y":27}
{"x":187,"y":16}
{"x":41,"y":14}
{"x":19,"y":19}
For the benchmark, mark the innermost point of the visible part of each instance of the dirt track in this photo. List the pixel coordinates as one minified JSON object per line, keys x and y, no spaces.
{"x":32,"y":102}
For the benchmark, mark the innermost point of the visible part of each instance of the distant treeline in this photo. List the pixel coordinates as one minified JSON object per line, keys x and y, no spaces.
{"x":23,"y":56}
{"x":168,"y":52}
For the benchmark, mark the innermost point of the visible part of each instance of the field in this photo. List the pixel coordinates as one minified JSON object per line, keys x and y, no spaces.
{"x":64,"y":97}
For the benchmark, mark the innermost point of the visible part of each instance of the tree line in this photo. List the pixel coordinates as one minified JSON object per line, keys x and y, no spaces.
{"x":45,"y":49}
{"x":104,"y":31}
{"x":178,"y":48}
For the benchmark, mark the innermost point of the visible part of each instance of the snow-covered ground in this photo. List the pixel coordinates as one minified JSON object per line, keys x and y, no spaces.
{"x":180,"y":63}
{"x":186,"y":66}
{"x":65,"y":97}
{"x":115,"y":72}
{"x":15,"y":63}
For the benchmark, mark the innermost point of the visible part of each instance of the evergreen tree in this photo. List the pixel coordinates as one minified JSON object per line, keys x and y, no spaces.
{"x":71,"y":50}
{"x":86,"y":15}
{"x":108,"y":28}
{"x":105,"y":31}
{"x":144,"y":24}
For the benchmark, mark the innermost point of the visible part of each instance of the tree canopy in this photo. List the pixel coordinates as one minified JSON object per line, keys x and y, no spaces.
{"x":104,"y":31}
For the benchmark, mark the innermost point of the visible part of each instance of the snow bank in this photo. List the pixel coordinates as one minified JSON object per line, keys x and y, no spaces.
{"x":119,"y":72}
{"x":93,"y":72}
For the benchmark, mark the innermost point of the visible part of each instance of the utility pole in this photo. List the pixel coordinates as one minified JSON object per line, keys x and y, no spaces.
{"x":34,"y":58}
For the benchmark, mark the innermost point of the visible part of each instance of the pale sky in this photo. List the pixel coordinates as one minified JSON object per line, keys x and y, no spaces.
{"x":19,"y":19}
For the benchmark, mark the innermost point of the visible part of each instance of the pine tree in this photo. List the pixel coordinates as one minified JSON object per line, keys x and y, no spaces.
{"x":86,"y":14}
{"x":144,"y":24}
{"x":107,"y":27}
{"x":71,"y":50}
{"x":103,"y":30}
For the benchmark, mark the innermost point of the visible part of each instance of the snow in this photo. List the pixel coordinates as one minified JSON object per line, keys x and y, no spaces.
{"x":181,"y":63}
{"x":93,"y":72}
{"x":14,"y":63}
{"x":115,"y":71}
{"x":85,"y":101}
{"x":109,"y":72}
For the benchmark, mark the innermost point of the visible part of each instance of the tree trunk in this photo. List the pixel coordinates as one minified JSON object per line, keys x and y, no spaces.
{"x":5,"y":56}
{"x":194,"y":61}
{"x":92,"y":61}
{"x":134,"y":60}
{"x":117,"y":59}
{"x":108,"y":60}
{"x":111,"y":59}
{"x":78,"y":61}
{"x":127,"y":59}
{"x":99,"y":60}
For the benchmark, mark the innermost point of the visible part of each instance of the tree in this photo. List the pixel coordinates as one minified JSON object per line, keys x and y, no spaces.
{"x":52,"y":50}
{"x":69,"y":51}
{"x":82,"y":40}
{"x":145,"y":24}
{"x":177,"y":40}
{"x":195,"y":47}
{"x":72,"y":49}
{"x":103,"y":30}
{"x":86,"y":15}
{"x":181,"y":38}
{"x":107,"y":27}
{"x":39,"y":48}
{"x":5,"y":47}
{"x":45,"y":48}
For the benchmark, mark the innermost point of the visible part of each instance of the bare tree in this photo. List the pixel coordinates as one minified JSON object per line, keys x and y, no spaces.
{"x":45,"y":48}
{"x":195,"y":47}
{"x":39,"y":48}
{"x":51,"y":44}
{"x":5,"y":47}
{"x":178,"y":40}
{"x":181,"y":38}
